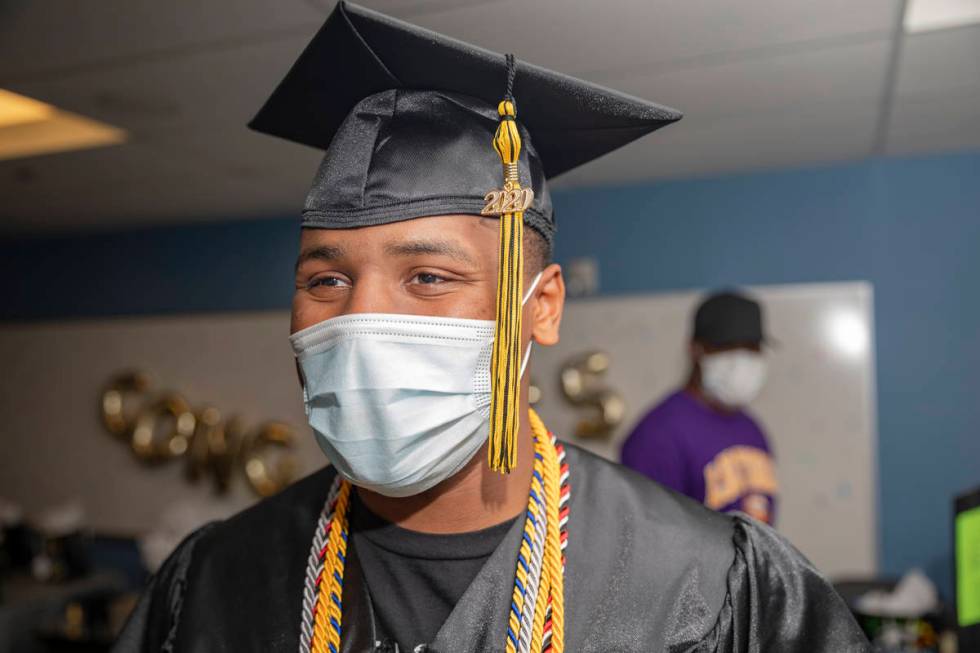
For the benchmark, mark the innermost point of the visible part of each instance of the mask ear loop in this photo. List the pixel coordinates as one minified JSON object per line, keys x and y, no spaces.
{"x":527,"y":296}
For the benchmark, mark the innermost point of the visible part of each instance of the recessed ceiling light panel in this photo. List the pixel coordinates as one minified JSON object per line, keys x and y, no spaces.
{"x":29,"y":127}
{"x":930,"y":15}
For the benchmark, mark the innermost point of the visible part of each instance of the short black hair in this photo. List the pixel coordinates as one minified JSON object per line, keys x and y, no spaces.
{"x":537,"y":252}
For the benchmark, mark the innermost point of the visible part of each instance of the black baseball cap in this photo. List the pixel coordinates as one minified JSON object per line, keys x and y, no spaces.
{"x":728,"y":318}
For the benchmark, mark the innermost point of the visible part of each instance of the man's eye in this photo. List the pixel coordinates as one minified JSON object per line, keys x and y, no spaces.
{"x":326,"y":282}
{"x":427,"y":278}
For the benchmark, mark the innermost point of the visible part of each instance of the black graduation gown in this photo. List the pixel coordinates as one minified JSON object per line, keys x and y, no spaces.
{"x":648,"y":570}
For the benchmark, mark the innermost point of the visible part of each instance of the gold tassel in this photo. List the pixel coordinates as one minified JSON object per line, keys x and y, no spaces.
{"x":505,"y":364}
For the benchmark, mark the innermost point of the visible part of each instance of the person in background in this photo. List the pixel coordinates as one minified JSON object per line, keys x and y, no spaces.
{"x":700,"y":440}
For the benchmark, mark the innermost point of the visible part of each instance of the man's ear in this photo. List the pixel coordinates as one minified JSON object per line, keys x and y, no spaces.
{"x":546,"y":306}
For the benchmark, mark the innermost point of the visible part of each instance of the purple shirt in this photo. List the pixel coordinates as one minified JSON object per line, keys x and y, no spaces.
{"x":719,"y":459}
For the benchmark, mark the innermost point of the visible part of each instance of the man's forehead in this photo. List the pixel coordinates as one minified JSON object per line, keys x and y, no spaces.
{"x":464,"y":237}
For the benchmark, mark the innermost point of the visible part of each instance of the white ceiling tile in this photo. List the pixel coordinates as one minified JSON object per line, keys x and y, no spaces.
{"x":588,"y":37}
{"x":64,"y":35}
{"x":178,"y":197}
{"x":233,"y":150}
{"x":937,"y":122}
{"x":813,"y":133}
{"x":767,"y":84}
{"x":77,"y":175}
{"x":936,"y":105}
{"x":935,"y":62}
{"x":174,"y":177}
{"x":409,"y":9}
{"x":226,"y":86}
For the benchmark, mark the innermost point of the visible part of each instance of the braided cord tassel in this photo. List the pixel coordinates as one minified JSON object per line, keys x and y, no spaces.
{"x":541,"y":445}
{"x":553,"y":636}
{"x":521,"y":581}
{"x":529,"y":567}
{"x":563,"y":512}
{"x":327,"y":621}
{"x":537,"y":554}
{"x":314,"y":569}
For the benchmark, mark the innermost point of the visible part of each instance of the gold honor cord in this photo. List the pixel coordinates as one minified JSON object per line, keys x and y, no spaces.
{"x":536,"y":623}
{"x":505,"y":365}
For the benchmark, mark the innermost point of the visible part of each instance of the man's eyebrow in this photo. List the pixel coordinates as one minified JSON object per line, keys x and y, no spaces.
{"x":436,"y":247}
{"x":326,"y":253}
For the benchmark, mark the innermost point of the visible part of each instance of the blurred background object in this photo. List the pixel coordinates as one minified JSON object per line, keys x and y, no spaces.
{"x":966,"y":542}
{"x":582,"y":386}
{"x":829,"y":161}
{"x":210,"y":446}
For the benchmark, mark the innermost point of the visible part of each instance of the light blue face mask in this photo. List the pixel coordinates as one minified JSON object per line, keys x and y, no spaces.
{"x":398,"y":403}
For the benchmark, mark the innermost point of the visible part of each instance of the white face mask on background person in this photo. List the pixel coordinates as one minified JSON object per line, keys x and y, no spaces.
{"x":398,"y":403}
{"x":733,"y":378}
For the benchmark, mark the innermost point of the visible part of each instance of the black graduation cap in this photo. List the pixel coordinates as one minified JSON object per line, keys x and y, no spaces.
{"x":360,"y":53}
{"x":413,"y":125}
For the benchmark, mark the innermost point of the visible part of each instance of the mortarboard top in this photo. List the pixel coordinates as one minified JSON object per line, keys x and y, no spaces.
{"x":411,"y":125}
{"x":359,"y":53}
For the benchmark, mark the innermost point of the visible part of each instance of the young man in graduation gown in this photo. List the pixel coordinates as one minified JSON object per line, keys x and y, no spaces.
{"x":450,"y":520}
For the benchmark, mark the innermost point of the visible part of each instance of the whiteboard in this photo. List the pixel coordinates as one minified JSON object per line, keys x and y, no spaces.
{"x":818,"y":406}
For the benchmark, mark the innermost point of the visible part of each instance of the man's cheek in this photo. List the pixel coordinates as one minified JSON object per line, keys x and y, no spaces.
{"x":306,"y":313}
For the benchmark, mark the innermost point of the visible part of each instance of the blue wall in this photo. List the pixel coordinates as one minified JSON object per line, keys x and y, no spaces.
{"x":210,"y":267}
{"x":910,"y":226}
